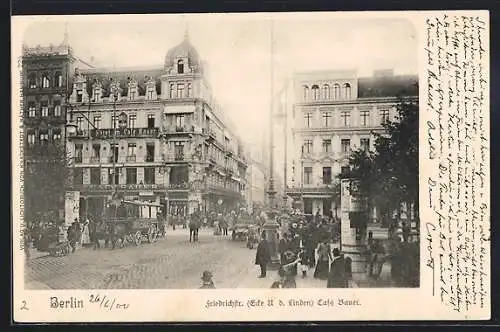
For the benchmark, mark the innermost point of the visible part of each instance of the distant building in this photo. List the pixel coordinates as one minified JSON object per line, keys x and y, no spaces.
{"x":335,"y":112}
{"x":172,"y":144}
{"x":45,"y":85}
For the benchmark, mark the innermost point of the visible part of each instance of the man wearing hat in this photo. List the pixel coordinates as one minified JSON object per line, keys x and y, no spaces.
{"x":207,"y":280}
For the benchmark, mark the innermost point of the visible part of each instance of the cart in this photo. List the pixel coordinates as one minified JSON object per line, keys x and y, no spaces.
{"x":137,"y":221}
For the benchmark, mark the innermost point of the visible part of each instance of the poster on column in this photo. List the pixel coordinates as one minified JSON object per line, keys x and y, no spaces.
{"x":387,"y":121}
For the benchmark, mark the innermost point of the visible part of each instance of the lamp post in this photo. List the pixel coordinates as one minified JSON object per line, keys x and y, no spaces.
{"x":271,"y":227}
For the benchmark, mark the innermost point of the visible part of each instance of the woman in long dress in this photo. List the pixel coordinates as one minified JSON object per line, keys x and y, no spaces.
{"x":86,"y":233}
{"x":324,"y":257}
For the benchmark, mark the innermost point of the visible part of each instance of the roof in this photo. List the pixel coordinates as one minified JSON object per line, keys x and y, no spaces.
{"x":388,"y":86}
{"x":184,"y":49}
{"x":123,"y":75}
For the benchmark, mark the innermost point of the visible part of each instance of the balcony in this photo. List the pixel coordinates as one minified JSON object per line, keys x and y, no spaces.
{"x":95,"y":159}
{"x":119,"y":133}
{"x":178,"y":186}
{"x":132,"y":158}
{"x":219,"y":190}
{"x":210,"y":133}
{"x":180,"y":130}
{"x":112,"y":159}
{"x":229,"y":152}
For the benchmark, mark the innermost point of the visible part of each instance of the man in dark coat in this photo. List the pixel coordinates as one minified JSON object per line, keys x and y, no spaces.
{"x":337,"y":277}
{"x":263,"y":256}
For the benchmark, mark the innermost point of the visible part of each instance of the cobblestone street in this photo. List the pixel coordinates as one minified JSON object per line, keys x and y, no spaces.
{"x":171,"y":263}
{"x":168,"y":263}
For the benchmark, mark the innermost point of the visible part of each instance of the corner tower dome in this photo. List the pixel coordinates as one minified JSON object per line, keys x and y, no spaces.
{"x":183,"y":58}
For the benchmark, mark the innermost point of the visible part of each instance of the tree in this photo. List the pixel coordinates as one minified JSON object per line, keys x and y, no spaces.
{"x":388,"y":176}
{"x":45,"y":178}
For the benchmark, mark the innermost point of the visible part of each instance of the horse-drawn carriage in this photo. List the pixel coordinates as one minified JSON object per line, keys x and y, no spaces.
{"x":240,"y":227}
{"x":134,"y":221}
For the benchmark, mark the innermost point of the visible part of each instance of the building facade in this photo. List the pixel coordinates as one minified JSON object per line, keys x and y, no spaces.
{"x":154,"y":134}
{"x":45,"y":85}
{"x":333,"y":114}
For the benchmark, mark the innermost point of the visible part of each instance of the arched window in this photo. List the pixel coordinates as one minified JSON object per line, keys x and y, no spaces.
{"x":32,"y":80}
{"x":347,"y":91}
{"x":326,"y":92}
{"x":306,"y":92}
{"x":190,"y":90}
{"x":336,"y":92}
{"x":315,"y":92}
{"x":45,"y":81}
{"x":180,"y":67}
{"x":58,"y":77}
{"x":172,"y":91}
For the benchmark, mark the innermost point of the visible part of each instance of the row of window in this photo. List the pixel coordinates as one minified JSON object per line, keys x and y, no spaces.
{"x":222,"y":182}
{"x":339,"y":92}
{"x":326,"y":178}
{"x":345,"y":118}
{"x":114,"y":152}
{"x":114,"y":176}
{"x":326,"y":146}
{"x":133,"y":93}
{"x":179,"y":90}
{"x":47,"y":80}
{"x":44,"y":110}
{"x":44,"y":136}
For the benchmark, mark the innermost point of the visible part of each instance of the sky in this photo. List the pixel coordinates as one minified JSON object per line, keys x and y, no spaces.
{"x":237,"y":50}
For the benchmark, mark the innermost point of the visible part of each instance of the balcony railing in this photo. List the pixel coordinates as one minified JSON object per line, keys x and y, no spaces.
{"x":222,"y":190}
{"x":180,"y":129}
{"x":119,"y":133}
{"x":110,"y":159}
{"x":95,"y":159}
{"x":178,"y":186}
{"x":132,"y":158}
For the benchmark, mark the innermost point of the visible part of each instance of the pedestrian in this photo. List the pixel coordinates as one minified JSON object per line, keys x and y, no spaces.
{"x":302,"y":265}
{"x":337,"y":278}
{"x":263,"y":256}
{"x":406,"y":232}
{"x":72,"y":236}
{"x":207,"y":281}
{"x":324,"y":257}
{"x":86,"y":233}
{"x":283,"y":247}
{"x":288,"y":272}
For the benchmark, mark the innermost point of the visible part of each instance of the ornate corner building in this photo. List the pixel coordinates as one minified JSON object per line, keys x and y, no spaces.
{"x":335,"y":112}
{"x":153,"y":134}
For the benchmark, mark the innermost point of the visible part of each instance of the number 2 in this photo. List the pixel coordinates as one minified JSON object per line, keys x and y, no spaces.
{"x":24,"y":307}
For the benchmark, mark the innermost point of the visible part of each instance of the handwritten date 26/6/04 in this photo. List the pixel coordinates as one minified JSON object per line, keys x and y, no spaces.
{"x":106,"y":302}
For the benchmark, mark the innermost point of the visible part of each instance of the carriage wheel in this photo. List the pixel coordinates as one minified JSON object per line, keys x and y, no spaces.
{"x":138,"y":238}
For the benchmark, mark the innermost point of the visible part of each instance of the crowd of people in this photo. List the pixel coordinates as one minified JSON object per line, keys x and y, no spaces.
{"x":305,"y":245}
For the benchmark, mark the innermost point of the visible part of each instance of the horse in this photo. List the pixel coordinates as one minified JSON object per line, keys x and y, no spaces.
{"x":194,"y":226}
{"x":117,"y":232}
{"x":98,"y":232}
